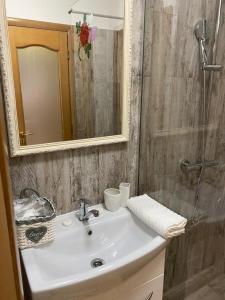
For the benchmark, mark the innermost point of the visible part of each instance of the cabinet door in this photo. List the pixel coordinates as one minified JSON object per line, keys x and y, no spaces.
{"x":109,"y":295}
{"x":153,"y":290}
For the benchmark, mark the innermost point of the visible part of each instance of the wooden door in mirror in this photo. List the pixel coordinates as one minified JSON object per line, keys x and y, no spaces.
{"x":41,"y":77}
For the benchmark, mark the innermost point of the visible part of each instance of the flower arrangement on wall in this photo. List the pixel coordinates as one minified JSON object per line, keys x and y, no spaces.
{"x":87,"y":35}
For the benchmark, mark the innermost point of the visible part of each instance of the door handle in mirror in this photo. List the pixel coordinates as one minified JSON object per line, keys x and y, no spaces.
{"x":22,"y":134}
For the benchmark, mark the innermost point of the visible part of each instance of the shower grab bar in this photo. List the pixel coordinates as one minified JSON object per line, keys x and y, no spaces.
{"x":187,"y":166}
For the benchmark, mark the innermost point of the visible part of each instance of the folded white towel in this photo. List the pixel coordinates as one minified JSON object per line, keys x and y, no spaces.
{"x":161,"y":219}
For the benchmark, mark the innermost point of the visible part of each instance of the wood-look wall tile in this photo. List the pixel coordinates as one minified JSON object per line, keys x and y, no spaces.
{"x":133,"y":145}
{"x":171,"y":47}
{"x":220,"y":58}
{"x":137,"y":36}
{"x":45,"y":174}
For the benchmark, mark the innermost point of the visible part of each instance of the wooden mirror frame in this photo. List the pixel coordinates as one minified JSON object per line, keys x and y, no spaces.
{"x":10,"y":101}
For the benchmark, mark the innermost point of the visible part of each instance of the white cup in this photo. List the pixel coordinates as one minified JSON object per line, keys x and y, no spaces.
{"x":112,"y":199}
{"x":125,"y":193}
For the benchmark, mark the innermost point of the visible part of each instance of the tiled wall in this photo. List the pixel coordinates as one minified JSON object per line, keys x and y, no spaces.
{"x":68,"y":176}
{"x":96,"y":79}
{"x":171,"y":130}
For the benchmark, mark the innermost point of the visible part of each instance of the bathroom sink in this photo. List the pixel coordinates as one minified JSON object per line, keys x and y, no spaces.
{"x":119,"y":243}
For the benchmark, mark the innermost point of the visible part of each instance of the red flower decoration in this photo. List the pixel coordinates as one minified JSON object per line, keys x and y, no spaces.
{"x":84,"y":34}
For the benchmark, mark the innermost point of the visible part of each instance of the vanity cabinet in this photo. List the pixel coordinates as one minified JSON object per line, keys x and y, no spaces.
{"x":146,"y":284}
{"x":151,"y":290}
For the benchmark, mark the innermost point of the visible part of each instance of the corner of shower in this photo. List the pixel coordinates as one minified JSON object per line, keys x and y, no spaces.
{"x":201,"y":31}
{"x":179,"y":164}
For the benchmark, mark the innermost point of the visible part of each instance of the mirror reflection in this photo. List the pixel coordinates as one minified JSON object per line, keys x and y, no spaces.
{"x":67,"y":59}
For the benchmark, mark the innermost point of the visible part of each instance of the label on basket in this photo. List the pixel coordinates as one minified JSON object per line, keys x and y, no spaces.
{"x":36,"y":234}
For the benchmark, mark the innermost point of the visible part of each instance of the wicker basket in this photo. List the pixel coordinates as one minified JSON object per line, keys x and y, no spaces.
{"x":38,"y":231}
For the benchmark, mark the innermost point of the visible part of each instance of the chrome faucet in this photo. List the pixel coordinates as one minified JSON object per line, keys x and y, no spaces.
{"x":84,"y":214}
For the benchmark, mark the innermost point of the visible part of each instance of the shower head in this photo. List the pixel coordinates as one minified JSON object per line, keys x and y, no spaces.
{"x":202,"y":35}
{"x":201,"y":30}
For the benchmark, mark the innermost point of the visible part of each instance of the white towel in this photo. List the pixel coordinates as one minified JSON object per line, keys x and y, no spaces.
{"x":161,"y":219}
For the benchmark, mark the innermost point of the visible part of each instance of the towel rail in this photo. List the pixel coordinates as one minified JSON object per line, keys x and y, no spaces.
{"x":71,"y":11}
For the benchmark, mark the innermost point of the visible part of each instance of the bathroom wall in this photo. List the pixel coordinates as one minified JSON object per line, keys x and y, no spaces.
{"x":56,"y":11}
{"x":68,"y":176}
{"x":172,"y":129}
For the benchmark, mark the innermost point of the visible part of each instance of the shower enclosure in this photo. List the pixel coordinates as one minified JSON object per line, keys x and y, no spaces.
{"x":182,"y":148}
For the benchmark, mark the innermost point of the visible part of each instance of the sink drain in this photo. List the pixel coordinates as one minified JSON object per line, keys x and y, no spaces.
{"x":97,"y":262}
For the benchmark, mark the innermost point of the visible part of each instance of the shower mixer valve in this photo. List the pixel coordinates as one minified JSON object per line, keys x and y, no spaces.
{"x":187,"y":166}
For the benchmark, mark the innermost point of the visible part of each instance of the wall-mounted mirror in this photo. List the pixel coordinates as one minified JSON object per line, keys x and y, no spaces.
{"x":67,"y":73}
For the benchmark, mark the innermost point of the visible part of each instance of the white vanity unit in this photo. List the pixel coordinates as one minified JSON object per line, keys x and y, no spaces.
{"x":146,"y":284}
{"x":122,"y":259}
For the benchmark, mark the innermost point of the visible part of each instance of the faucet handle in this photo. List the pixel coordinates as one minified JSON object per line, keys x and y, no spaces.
{"x":84,"y":202}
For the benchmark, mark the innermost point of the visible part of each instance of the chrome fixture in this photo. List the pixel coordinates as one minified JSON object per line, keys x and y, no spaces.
{"x":97,"y":262}
{"x":187,"y":166}
{"x":202,"y":35}
{"x":215,"y":46}
{"x":84,"y":214}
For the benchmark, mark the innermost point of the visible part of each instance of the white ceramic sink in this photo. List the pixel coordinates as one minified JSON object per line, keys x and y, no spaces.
{"x":119,"y":238}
